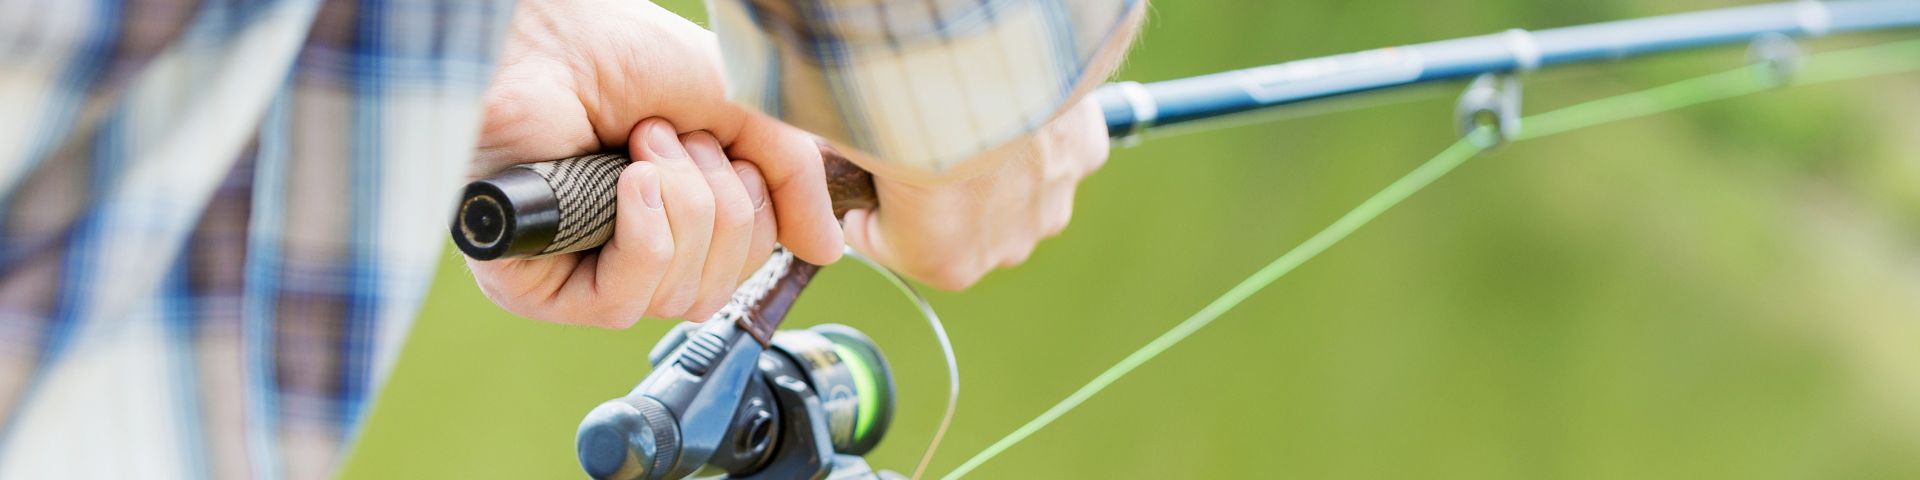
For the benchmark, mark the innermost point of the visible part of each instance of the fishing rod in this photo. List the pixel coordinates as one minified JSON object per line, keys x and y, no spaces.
{"x":738,"y":396}
{"x":1132,"y":108}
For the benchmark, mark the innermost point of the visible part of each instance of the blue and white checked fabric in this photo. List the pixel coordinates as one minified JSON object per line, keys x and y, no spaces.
{"x":926,"y":84}
{"x":218,"y":217}
{"x":217,"y":220}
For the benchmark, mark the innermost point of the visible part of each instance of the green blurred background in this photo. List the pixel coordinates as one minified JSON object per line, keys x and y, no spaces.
{"x":1726,"y":292}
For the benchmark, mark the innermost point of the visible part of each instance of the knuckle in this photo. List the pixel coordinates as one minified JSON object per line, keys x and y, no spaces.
{"x":707,"y":307}
{"x":1097,"y":156}
{"x":1016,"y":257}
{"x":655,"y":248}
{"x":1061,"y":168}
{"x":700,"y":202}
{"x":615,"y":316}
{"x":1057,"y":222}
{"x":620,"y":319}
{"x":953,"y":276}
{"x":689,"y":205}
{"x":734,"y":214}
{"x":674,"y":303}
{"x":631,"y":173}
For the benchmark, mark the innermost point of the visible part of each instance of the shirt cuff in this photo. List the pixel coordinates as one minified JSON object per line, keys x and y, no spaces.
{"x":920,"y":83}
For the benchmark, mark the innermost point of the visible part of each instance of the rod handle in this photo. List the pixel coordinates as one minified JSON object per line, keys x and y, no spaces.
{"x":567,"y":205}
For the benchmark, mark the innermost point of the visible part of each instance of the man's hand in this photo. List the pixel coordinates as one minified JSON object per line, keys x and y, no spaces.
{"x":698,"y":207}
{"x":949,"y":234}
{"x":992,"y":210}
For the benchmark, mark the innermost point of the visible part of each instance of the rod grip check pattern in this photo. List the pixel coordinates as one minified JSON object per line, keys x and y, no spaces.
{"x":581,"y":207}
{"x":583,"y":188}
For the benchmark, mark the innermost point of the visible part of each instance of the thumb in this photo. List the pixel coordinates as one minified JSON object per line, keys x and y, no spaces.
{"x":789,"y":160}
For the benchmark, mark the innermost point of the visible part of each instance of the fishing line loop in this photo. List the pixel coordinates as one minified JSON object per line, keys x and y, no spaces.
{"x":946,"y":352}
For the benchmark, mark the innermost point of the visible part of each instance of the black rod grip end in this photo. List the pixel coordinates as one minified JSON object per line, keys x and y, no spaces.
{"x":512,"y":214}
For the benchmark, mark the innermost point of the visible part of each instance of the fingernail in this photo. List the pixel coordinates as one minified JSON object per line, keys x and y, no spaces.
{"x":756,"y":186}
{"x":709,"y":154}
{"x":649,"y":180}
{"x":664,"y":142}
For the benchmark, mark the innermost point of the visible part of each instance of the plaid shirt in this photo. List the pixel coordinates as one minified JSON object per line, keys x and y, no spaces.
{"x":923,"y":83}
{"x":218,"y":217}
{"x":217,"y":220}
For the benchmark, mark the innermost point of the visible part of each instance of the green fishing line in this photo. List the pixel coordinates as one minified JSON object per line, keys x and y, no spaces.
{"x":866,"y":385}
{"x":1855,"y":63}
{"x":1462,"y":150}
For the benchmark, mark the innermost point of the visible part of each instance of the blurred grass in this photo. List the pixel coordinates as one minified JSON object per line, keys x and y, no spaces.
{"x":1726,"y":292}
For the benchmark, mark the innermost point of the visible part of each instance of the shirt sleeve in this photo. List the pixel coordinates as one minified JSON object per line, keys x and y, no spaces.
{"x":921,"y":83}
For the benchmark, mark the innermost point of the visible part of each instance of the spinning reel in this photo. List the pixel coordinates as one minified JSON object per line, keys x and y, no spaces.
{"x":717,"y":402}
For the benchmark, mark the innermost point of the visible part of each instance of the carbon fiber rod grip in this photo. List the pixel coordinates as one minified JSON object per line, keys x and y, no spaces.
{"x":567,"y":205}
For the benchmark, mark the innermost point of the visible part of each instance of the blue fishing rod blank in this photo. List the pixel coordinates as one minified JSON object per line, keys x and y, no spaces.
{"x":1132,"y":108}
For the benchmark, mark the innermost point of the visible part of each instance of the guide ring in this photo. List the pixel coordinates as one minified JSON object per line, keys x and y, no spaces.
{"x":1492,"y":102}
{"x":1776,"y":57}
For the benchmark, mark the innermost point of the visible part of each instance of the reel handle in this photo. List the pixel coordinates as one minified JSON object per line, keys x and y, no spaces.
{"x":567,"y":205}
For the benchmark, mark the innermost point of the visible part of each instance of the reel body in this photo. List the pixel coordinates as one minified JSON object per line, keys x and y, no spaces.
{"x":806,"y":406}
